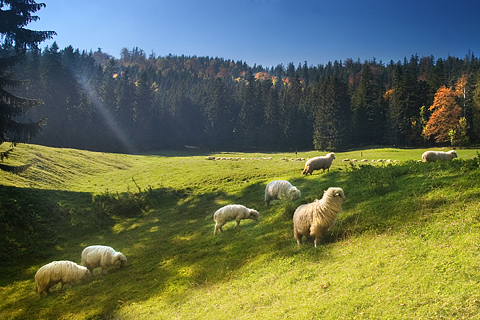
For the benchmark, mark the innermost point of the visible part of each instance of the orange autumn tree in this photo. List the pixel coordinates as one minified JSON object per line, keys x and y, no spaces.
{"x":445,"y":117}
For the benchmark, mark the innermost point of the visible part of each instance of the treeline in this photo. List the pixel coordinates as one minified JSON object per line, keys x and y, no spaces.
{"x":139,"y":103}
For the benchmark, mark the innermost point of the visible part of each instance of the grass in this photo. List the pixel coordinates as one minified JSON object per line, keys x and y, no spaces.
{"x":405,"y":247}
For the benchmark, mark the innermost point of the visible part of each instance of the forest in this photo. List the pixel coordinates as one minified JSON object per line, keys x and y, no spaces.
{"x":141,"y":103}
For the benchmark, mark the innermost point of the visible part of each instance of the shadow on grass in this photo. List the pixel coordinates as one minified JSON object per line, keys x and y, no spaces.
{"x":171,"y":249}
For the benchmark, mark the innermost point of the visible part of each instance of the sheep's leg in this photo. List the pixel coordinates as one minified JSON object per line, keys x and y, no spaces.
{"x":317,"y":241}
{"x":216,"y":229}
{"x":298,"y":237}
{"x":238,"y":224}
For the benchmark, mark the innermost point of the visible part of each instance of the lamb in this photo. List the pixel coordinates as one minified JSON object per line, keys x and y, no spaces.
{"x":279,"y":189}
{"x":102,"y":256}
{"x":58,"y":271}
{"x":232,"y":212}
{"x":432,"y":156}
{"x":318,"y":163}
{"x":316,"y":218}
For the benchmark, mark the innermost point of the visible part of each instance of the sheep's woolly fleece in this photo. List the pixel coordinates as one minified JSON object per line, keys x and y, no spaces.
{"x":318,"y":163}
{"x":316,"y":218}
{"x":432,"y":156}
{"x":102,"y":256}
{"x":58,"y":271}
{"x":232,"y":212}
{"x":279,"y":189}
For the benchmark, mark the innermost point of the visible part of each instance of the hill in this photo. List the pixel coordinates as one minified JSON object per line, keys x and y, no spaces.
{"x":405,"y":247}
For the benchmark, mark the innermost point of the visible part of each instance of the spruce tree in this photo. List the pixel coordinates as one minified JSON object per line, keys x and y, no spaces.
{"x":15,"y":15}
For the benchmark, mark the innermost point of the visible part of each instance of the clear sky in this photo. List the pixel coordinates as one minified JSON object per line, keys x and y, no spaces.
{"x":268,"y":32}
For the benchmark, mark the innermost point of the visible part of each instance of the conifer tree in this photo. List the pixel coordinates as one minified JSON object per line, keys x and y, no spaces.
{"x":15,"y":15}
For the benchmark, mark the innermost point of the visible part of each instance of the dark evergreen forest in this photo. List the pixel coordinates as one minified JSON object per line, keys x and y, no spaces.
{"x":141,"y":103}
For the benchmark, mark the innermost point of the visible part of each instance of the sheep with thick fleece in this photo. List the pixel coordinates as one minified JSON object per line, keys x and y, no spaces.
{"x":102,"y":256}
{"x":313,"y":220}
{"x":318,"y":163}
{"x":233,"y":212}
{"x":432,"y":156}
{"x":58,"y":271}
{"x":280,"y":189}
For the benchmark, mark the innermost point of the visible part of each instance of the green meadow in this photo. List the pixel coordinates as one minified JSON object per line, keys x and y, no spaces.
{"x":405,"y":247}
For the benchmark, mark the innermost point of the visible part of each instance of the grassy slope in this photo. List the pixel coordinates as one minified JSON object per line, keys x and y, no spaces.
{"x":406,"y":245}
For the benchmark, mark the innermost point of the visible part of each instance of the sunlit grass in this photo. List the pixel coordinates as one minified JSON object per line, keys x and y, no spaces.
{"x":406,"y":246}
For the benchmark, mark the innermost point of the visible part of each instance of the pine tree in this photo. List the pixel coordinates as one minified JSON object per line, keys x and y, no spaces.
{"x":15,"y":16}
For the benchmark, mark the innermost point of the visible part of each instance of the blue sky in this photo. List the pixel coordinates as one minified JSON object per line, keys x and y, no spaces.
{"x":268,"y":32}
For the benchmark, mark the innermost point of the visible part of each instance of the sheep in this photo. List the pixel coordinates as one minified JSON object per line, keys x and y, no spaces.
{"x":232,"y":212}
{"x":102,"y":256}
{"x":318,"y":163}
{"x":432,"y":156}
{"x":316,"y":218}
{"x":280,"y":189}
{"x":58,"y":271}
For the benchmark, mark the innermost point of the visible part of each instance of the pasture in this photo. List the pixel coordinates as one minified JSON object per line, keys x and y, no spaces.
{"x":405,"y":247}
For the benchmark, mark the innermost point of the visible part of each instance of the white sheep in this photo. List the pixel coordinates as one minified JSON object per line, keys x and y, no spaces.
{"x":314,"y":219}
{"x":102,"y":256}
{"x":280,"y":189}
{"x":233,"y":212}
{"x":318,"y":163}
{"x":58,"y":271}
{"x":432,"y":156}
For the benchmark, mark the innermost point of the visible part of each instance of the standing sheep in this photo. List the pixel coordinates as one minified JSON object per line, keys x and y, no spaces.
{"x":314,"y":219}
{"x":280,"y":189}
{"x":58,"y":271}
{"x":432,"y":156}
{"x":102,"y":256}
{"x":318,"y":163}
{"x":232,"y":212}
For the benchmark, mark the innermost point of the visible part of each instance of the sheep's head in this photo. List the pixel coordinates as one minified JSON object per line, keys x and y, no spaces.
{"x":294,"y":194}
{"x":331,"y":155}
{"x":453,"y":152}
{"x":253,"y":214}
{"x":120,"y":260}
{"x":336,"y":192}
{"x":85,"y":274}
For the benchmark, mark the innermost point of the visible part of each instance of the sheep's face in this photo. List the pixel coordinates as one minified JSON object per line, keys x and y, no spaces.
{"x":331,"y":155}
{"x":294,"y":194}
{"x":253,"y":215}
{"x":121,"y":260}
{"x":454,"y":153}
{"x":337,"y":192}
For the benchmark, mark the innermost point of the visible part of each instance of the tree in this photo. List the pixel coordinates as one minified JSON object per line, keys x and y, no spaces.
{"x":15,"y":15}
{"x":332,"y":115}
{"x":445,"y":117}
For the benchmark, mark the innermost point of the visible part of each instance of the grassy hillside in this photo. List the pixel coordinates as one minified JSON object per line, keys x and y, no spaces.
{"x":405,"y":247}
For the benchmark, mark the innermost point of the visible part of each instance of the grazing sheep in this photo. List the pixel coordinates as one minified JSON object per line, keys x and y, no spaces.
{"x":210,"y":158}
{"x":346,"y":160}
{"x":432,"y":156}
{"x":58,"y":271}
{"x":232,"y":212}
{"x":364,"y":160}
{"x":102,"y":256}
{"x":312,"y":220}
{"x":280,"y":189}
{"x":318,"y":163}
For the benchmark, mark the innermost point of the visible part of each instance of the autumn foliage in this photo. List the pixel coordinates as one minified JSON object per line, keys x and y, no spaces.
{"x":446,"y":115}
